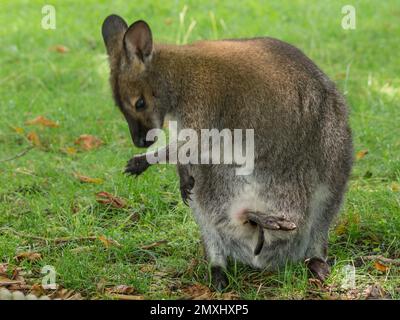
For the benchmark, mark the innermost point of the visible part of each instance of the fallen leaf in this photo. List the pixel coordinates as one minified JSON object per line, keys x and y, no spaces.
{"x":361,"y":154}
{"x":121,"y":289}
{"x":395,"y":187}
{"x":374,"y":291}
{"x":3,"y":268}
{"x":59,"y":48}
{"x":87,"y":179}
{"x":40,"y":120}
{"x":34,"y":138}
{"x":70,"y":150}
{"x":230,"y":296}
{"x":65,"y":294}
{"x":38,"y":290}
{"x":109,"y":199}
{"x":108,"y":242}
{"x":19,"y":130}
{"x":380,"y":267}
{"x":198,"y":292}
{"x":88,"y":142}
{"x":30,"y":256}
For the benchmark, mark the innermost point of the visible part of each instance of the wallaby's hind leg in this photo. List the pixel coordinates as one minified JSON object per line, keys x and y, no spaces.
{"x":219,"y":279}
{"x":215,"y":253}
{"x":317,"y":251}
{"x":316,"y":254}
{"x":216,"y":259}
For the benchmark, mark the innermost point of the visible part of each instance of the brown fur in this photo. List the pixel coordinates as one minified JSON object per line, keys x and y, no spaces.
{"x":303,"y":145}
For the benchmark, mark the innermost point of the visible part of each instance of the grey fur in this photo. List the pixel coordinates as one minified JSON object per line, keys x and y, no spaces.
{"x":303,"y":144}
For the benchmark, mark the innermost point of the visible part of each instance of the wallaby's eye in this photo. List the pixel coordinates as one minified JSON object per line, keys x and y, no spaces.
{"x":140,"y":104}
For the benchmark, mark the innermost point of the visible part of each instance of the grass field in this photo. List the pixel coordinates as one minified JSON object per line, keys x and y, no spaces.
{"x":41,"y":195}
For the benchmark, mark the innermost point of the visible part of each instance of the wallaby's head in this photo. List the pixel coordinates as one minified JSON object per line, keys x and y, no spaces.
{"x":130,"y":51}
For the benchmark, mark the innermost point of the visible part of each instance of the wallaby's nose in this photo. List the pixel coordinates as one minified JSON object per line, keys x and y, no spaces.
{"x":141,"y":142}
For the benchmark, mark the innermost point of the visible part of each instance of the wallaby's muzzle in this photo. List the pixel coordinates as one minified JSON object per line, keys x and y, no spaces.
{"x":138,"y":134}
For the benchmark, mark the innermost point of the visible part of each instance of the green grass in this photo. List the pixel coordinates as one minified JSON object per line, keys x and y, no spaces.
{"x":40,"y":196}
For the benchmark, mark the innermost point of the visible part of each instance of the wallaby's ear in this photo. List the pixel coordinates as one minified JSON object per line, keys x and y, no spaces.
{"x":113,"y":30}
{"x":138,"y":41}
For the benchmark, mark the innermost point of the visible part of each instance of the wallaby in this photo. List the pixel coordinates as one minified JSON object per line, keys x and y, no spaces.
{"x":303,"y":146}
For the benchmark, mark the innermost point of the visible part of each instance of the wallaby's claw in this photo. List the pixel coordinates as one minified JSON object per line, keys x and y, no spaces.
{"x":186,"y":185}
{"x":137,"y":165}
{"x":186,"y":196}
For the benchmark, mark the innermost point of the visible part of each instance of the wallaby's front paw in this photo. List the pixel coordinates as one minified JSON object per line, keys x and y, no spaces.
{"x":219,"y":279}
{"x":319,"y":268}
{"x":186,"y":185}
{"x":137,"y":165}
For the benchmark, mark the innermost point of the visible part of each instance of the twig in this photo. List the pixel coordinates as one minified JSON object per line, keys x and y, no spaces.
{"x":382,"y":259}
{"x":22,"y":153}
{"x":126,"y":297}
{"x":154,"y":244}
{"x":43,"y":239}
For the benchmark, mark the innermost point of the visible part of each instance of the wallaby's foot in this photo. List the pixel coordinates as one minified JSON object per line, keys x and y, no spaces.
{"x":318,"y":268}
{"x":270,"y":222}
{"x":265,"y":221}
{"x":219,"y":280}
{"x":137,"y":165}
{"x":186,"y":186}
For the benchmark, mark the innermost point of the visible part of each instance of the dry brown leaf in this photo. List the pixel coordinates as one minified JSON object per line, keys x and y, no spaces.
{"x":59,"y":48}
{"x":87,"y":179}
{"x":374,"y":291}
{"x":40,"y":120}
{"x":380,"y":267}
{"x":30,"y":256}
{"x":121,"y":289}
{"x":109,"y":199}
{"x":198,"y":292}
{"x":230,"y":296}
{"x":69,"y":150}
{"x":361,"y":154}
{"x":395,"y":187}
{"x":3,"y":268}
{"x":37,"y":289}
{"x":88,"y":142}
{"x":34,"y":138}
{"x":108,"y":242}
{"x":19,"y":130}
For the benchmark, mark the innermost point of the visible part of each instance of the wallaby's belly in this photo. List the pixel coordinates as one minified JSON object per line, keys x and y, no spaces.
{"x":222,"y":217}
